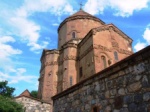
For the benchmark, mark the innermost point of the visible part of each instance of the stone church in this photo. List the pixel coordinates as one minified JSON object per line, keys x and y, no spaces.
{"x":86,"y":46}
{"x":94,"y":69}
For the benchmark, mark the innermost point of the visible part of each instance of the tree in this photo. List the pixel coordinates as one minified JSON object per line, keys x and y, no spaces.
{"x":34,"y":93}
{"x":7,"y":104}
{"x":6,"y":90}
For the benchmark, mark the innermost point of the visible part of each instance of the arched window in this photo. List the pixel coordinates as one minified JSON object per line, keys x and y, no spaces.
{"x":73,"y":35}
{"x":116,"y":56}
{"x":104,"y":61}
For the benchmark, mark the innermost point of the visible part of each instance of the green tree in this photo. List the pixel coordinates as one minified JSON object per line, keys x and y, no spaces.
{"x":7,"y":104}
{"x":34,"y":93}
{"x":6,"y":90}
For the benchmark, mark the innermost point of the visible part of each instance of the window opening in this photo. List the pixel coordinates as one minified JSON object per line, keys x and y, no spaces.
{"x":80,"y":72}
{"x":70,"y":80}
{"x":73,"y":35}
{"x":116,"y":56}
{"x":104,"y":61}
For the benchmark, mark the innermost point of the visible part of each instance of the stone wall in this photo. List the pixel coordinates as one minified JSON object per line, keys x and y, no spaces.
{"x":32,"y":105}
{"x":123,"y":87}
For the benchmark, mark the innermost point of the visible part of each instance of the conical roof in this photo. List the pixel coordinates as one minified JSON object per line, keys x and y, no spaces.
{"x":80,"y":15}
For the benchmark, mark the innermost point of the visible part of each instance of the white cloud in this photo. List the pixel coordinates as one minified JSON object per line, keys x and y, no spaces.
{"x":7,"y":50}
{"x":146,"y":37}
{"x":27,"y":29}
{"x":127,"y":7}
{"x":146,"y":34}
{"x":123,"y":8}
{"x":95,"y":6}
{"x":17,"y":76}
{"x":139,"y":46}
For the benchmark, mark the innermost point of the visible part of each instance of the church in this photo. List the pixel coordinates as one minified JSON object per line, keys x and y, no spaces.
{"x":86,"y":45}
{"x":93,"y":69}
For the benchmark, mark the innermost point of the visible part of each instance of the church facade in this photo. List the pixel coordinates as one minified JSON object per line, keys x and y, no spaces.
{"x":86,"y":46}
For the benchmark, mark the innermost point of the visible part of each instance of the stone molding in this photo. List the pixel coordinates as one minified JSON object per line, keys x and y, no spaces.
{"x":52,"y":63}
{"x":46,"y":52}
{"x":67,"y":57}
{"x":103,"y":48}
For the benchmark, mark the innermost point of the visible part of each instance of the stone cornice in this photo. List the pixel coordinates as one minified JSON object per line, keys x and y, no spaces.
{"x":120,"y":50}
{"x":103,"y":48}
{"x":80,"y":17}
{"x":46,"y":51}
{"x":67,"y":57}
{"x":70,"y":43}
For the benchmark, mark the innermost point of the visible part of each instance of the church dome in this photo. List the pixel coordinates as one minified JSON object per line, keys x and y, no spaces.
{"x":80,"y":15}
{"x":77,"y":26}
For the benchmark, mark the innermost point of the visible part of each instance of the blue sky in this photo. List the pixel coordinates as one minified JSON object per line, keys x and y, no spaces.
{"x":29,"y":26}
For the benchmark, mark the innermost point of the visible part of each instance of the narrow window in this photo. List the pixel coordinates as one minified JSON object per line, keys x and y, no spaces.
{"x":116,"y":56}
{"x":73,"y":35}
{"x":104,"y":61}
{"x":70,"y":80}
{"x":80,"y":72}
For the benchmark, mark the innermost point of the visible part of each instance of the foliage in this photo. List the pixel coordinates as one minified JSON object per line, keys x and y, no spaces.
{"x":34,"y":93}
{"x":8,"y":105}
{"x":6,"y":90}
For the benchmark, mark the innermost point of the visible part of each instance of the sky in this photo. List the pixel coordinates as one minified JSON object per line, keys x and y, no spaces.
{"x":29,"y":26}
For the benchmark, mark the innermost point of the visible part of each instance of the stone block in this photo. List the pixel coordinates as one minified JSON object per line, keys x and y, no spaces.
{"x":146,"y":96}
{"x":118,"y":103}
{"x":121,"y":91}
{"x":138,"y":98}
{"x":108,"y":109}
{"x":128,"y":99}
{"x":133,"y":107}
{"x":107,"y":94}
{"x":134,"y":87}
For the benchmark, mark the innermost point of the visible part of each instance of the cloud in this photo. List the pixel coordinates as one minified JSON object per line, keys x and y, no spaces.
{"x":17,"y":76}
{"x":95,"y":6}
{"x":139,"y":46}
{"x":7,"y":50}
{"x":122,"y":8}
{"x":22,"y":25}
{"x":146,"y":34}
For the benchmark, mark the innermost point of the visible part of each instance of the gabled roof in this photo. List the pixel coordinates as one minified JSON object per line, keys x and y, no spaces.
{"x":93,"y":31}
{"x":25,"y":93}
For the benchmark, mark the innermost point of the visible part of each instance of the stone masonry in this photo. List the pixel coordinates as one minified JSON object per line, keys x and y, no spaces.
{"x":32,"y":104}
{"x":122,"y":87}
